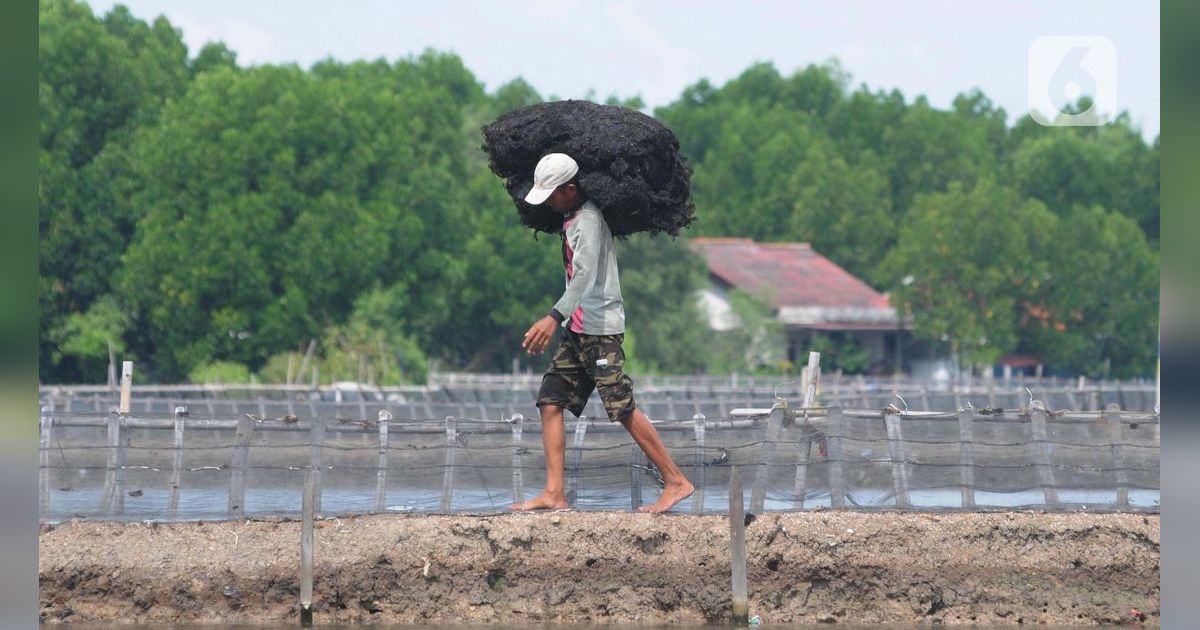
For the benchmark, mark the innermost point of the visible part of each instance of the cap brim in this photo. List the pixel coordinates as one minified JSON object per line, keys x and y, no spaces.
{"x":538,"y":195}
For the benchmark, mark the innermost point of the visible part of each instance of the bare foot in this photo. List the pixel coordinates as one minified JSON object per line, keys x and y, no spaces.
{"x":541,"y":502}
{"x":672,"y":494}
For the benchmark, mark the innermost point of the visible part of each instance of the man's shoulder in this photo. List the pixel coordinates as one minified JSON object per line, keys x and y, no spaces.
{"x":587,"y":216}
{"x":590,"y":209}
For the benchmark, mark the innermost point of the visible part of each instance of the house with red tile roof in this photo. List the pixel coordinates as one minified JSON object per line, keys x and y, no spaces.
{"x":808,"y":294}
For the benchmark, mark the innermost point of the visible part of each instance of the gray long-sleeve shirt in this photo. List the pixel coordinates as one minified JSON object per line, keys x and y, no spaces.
{"x":592,"y":303}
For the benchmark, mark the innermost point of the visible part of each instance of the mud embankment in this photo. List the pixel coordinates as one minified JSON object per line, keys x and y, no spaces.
{"x":984,"y":568}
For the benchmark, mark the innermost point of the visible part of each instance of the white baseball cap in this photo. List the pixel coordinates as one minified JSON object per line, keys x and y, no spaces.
{"x":553,"y":170}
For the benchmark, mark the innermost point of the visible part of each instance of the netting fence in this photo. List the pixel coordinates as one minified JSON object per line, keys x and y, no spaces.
{"x":214,"y":458}
{"x":661,"y":397}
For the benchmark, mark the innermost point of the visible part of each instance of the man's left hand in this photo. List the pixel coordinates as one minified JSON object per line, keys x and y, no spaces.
{"x":539,"y":334}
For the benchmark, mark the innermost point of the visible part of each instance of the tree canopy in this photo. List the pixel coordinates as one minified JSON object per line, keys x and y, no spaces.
{"x":214,"y":221}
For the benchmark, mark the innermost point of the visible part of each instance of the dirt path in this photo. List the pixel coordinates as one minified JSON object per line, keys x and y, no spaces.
{"x":847,"y":567}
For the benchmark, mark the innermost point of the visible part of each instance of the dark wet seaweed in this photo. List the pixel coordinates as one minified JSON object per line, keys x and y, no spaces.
{"x":629,"y":164}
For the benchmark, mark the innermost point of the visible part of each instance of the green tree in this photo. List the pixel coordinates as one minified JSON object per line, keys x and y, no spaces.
{"x":99,"y":81}
{"x":1110,"y":166}
{"x":929,"y":149}
{"x":966,"y":267}
{"x":660,"y":278}
{"x":843,"y":210}
{"x":1097,"y":312}
{"x":274,"y":197}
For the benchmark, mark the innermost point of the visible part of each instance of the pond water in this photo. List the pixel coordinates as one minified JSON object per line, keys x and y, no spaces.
{"x":211,"y":503}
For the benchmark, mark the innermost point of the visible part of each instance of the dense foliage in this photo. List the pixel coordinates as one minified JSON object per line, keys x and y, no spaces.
{"x":214,"y":221}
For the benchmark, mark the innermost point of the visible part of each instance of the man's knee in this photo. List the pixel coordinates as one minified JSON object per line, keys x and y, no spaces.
{"x":625,"y":415}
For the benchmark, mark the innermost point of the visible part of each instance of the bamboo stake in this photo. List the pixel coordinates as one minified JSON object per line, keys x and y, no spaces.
{"x":448,"y":471}
{"x":1041,"y":454}
{"x":635,"y":478}
{"x":698,"y":469}
{"x":126,"y":386}
{"x":812,"y":374}
{"x":47,"y":432}
{"x":385,"y":417}
{"x":316,"y":451}
{"x":737,"y":550}
{"x":896,"y":454}
{"x":1112,"y":417}
{"x":766,"y":453}
{"x":177,"y":462}
{"x":966,"y":453}
{"x":306,"y":549}
{"x":572,"y":489}
{"x":517,"y":456}
{"x":837,"y":488}
{"x":237,"y":475}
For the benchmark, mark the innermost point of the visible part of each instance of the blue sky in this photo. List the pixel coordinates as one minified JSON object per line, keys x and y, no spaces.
{"x":654,"y":49}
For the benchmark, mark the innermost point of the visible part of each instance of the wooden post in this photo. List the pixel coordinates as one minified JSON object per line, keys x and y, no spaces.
{"x":517,"y":457}
{"x":317,"y":431}
{"x":448,"y":471}
{"x":177,"y":463}
{"x":126,"y":386}
{"x":635,"y":478}
{"x":698,"y":468}
{"x":804,"y":456}
{"x":381,"y":468}
{"x":113,"y":499}
{"x":45,"y":439}
{"x":802,"y":461}
{"x":737,"y":550}
{"x":312,"y":413}
{"x":837,"y":488}
{"x":572,"y":489}
{"x":766,"y":453}
{"x":896,"y":454}
{"x":237,"y":466}
{"x":966,"y":454}
{"x":112,"y":371}
{"x":306,"y":547}
{"x":1041,"y":454}
{"x":814,"y":376}
{"x":1116,"y":432}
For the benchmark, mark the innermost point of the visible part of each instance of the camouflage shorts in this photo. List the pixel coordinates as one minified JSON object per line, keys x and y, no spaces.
{"x":584,"y":362}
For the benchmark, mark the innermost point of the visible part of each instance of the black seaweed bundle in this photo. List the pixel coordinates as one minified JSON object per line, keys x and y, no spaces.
{"x":629,"y":164}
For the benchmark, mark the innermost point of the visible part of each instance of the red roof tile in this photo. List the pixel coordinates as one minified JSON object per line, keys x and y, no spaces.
{"x":786,"y":274}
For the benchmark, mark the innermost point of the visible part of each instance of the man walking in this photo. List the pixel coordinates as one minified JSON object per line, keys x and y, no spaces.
{"x":589,"y":355}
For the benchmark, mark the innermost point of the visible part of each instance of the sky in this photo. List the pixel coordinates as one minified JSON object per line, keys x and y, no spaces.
{"x":654,"y":49}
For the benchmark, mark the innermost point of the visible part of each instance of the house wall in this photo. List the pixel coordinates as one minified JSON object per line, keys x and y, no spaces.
{"x":714,"y":305}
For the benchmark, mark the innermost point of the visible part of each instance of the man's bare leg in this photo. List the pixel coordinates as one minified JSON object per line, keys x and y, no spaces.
{"x":676,"y":486}
{"x":554,"y":443}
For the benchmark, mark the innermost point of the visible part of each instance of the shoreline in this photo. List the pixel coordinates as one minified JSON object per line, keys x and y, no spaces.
{"x":612,"y":567}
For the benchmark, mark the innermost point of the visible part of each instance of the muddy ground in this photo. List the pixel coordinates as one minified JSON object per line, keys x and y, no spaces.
{"x":822,"y":566}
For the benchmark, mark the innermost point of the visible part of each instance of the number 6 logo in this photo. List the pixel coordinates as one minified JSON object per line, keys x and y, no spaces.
{"x":1062,"y":69}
